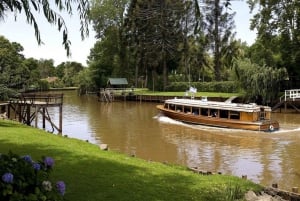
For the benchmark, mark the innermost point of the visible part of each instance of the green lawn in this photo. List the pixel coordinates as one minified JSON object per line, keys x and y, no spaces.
{"x":91,"y":174}
{"x":181,"y":93}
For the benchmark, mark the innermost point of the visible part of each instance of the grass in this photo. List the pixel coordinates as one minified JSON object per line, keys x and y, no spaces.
{"x":94,"y":175}
{"x":181,"y":93}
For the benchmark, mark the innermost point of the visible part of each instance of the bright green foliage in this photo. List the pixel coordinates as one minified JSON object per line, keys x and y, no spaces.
{"x":109,"y":56}
{"x":13,"y":74}
{"x":278,"y":29}
{"x":67,"y":72}
{"x":259,"y":80}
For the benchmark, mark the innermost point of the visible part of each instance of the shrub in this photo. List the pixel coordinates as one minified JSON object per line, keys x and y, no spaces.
{"x":22,"y":179}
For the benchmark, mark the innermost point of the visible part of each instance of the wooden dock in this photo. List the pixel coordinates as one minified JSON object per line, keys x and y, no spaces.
{"x":291,"y":98}
{"x":28,"y":107}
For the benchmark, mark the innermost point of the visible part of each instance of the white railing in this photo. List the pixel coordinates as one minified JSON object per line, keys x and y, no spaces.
{"x":292,"y":94}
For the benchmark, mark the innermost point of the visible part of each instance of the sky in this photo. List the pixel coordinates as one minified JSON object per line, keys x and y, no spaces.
{"x":21,"y":32}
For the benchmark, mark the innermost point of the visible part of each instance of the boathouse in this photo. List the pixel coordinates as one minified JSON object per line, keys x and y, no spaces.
{"x":115,"y":88}
{"x":117,"y":83}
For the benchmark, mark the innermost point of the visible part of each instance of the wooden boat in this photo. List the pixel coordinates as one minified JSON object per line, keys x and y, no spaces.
{"x":220,"y":114}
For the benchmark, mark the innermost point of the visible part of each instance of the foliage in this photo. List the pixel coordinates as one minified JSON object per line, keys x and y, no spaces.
{"x":278,"y":35}
{"x":30,"y":8}
{"x":260,"y":80}
{"x":157,"y":44}
{"x":84,"y":82}
{"x":43,"y":85}
{"x":219,"y":25}
{"x":224,"y":87}
{"x":6,"y":93}
{"x":13,"y":74}
{"x":23,"y":179}
{"x":109,"y":56}
{"x":67,"y":72}
{"x":233,"y":193}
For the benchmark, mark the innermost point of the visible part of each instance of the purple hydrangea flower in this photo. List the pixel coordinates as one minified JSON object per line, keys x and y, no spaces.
{"x":61,"y":187}
{"x":27,"y":158}
{"x":36,"y":166}
{"x":8,"y":178}
{"x":49,"y":162}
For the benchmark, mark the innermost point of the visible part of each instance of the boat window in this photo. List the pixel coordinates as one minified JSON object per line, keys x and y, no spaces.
{"x":187,"y":109}
{"x":224,"y":114}
{"x":179,"y":108}
{"x":195,"y":111}
{"x":214,"y":113}
{"x":234,"y":115}
{"x":204,"y":112}
{"x":172,"y":107}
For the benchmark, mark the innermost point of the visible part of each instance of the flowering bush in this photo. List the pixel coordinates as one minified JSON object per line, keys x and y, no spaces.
{"x":22,"y":179}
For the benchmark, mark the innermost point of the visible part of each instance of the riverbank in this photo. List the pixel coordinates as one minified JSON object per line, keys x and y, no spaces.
{"x":93,"y":174}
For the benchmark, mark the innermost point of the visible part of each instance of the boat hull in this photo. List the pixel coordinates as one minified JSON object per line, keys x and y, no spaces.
{"x":263,"y":125}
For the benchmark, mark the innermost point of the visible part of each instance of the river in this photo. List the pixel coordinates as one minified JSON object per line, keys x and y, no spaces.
{"x":136,"y":128}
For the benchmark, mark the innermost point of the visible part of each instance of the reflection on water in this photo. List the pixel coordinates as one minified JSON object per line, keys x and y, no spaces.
{"x":137,"y":128}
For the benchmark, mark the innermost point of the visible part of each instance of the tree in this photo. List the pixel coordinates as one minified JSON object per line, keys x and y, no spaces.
{"x":219,"y":25}
{"x":70,"y":73}
{"x":108,"y":18}
{"x":46,"y":68}
{"x":13,"y":74}
{"x":278,"y":32}
{"x":259,"y":81}
{"x":29,"y":7}
{"x":154,"y":28}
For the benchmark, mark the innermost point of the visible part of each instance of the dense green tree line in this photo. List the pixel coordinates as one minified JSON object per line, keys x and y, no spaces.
{"x":154,"y":43}
{"x":19,"y":74}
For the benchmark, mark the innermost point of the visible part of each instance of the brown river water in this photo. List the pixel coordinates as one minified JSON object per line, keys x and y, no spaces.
{"x":136,"y":128}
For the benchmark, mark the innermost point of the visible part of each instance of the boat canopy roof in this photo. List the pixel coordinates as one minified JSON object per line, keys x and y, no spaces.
{"x":252,"y":107}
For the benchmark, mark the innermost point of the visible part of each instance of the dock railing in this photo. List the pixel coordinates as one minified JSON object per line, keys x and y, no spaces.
{"x":291,"y":94}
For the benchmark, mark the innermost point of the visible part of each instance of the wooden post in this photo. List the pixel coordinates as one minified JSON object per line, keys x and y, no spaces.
{"x":8,"y":111}
{"x":60,"y":120}
{"x":36,"y":116}
{"x":285,"y":106}
{"x":19,"y":109}
{"x":44,"y":118}
{"x":27,"y":114}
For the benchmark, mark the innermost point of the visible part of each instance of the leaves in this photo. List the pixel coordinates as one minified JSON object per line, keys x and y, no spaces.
{"x":260,"y":80}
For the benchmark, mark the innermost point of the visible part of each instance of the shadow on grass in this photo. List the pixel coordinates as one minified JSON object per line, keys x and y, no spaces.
{"x":110,"y":176}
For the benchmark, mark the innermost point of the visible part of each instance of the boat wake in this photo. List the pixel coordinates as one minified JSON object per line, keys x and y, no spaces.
{"x":288,"y":130}
{"x":167,"y":120}
{"x":164,"y":119}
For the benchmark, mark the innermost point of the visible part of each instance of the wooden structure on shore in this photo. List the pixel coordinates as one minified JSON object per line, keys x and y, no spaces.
{"x":112,"y":94}
{"x":27,"y":108}
{"x":290,"y":98}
